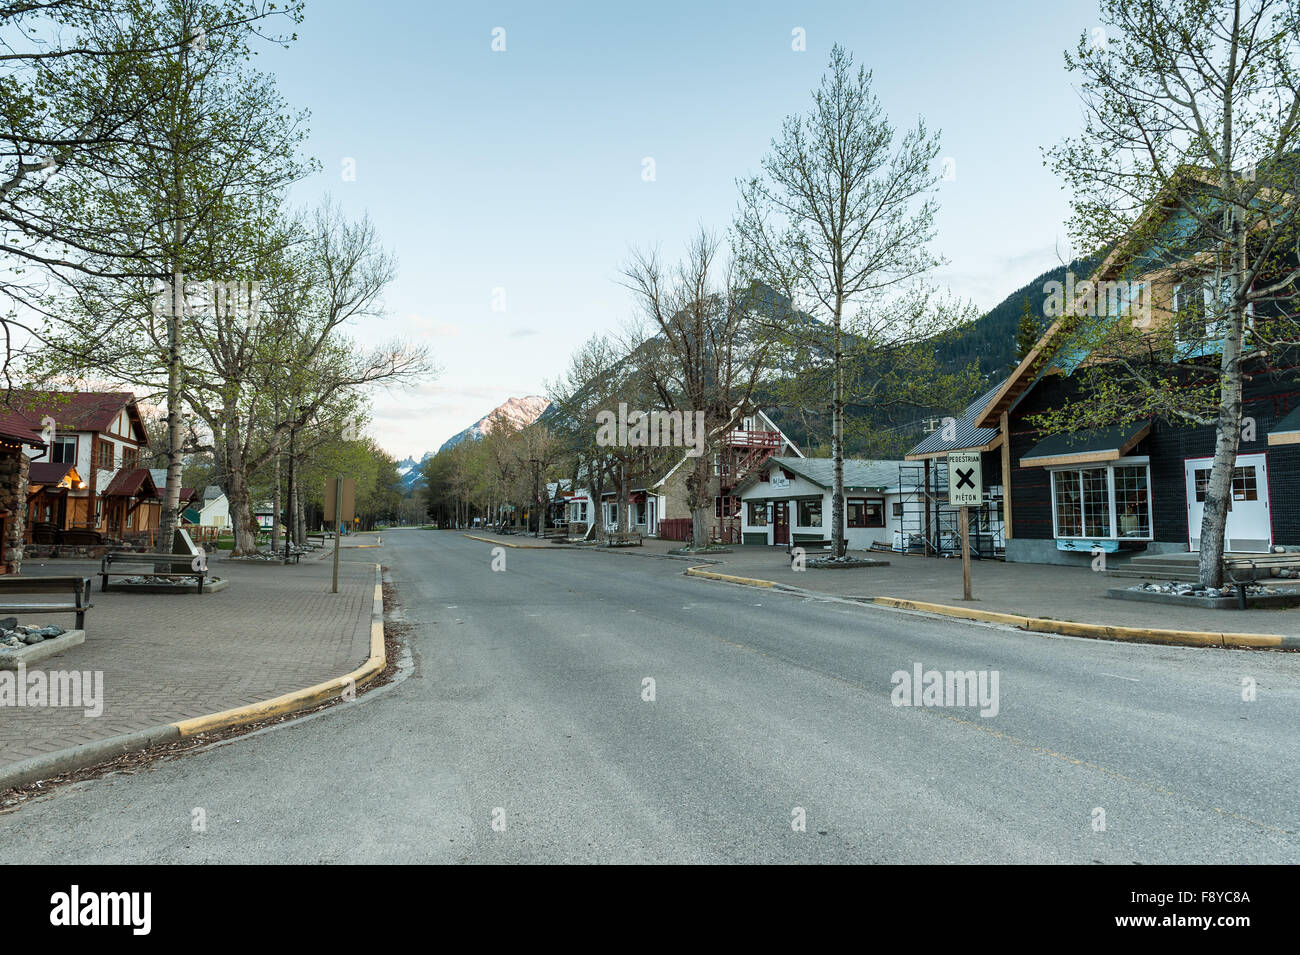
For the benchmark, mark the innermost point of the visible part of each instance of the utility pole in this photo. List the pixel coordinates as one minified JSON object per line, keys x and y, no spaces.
{"x":338,"y":527}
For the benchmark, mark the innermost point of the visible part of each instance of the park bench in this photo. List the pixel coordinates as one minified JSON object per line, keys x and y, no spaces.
{"x":559,"y":532}
{"x":133,"y":557}
{"x":623,"y":539}
{"x":1256,"y":568}
{"x":809,"y":545}
{"x":63,"y":595}
{"x":292,"y":552}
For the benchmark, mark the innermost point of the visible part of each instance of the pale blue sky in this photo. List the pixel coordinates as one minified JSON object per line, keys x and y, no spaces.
{"x":521,"y":170}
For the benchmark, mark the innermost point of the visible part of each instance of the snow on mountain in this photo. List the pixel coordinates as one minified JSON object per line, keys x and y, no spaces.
{"x":519,"y":412}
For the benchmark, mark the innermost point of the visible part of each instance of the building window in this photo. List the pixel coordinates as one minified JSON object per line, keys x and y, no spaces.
{"x":104,"y":455}
{"x":726,"y":506}
{"x":898,"y":508}
{"x":638,"y":513}
{"x":131,"y":458}
{"x":866,"y":512}
{"x":1132,"y":501}
{"x":64,"y":450}
{"x":757,"y":514}
{"x":1102,"y":502}
{"x":810,"y":513}
{"x":1244,"y":487}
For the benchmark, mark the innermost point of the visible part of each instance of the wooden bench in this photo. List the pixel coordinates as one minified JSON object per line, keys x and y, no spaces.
{"x":809,"y":545}
{"x":294,"y":553}
{"x":623,"y":539}
{"x":76,"y":599}
{"x":1242,"y":571}
{"x":559,"y":532}
{"x":132,"y":557}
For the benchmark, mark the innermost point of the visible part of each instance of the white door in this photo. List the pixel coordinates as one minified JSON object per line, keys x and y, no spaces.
{"x":1250,"y":528}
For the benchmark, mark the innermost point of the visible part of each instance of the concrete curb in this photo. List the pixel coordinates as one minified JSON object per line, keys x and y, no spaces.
{"x":1186,"y":638}
{"x":79,"y":757}
{"x":699,"y":571}
{"x":88,"y":754}
{"x":1095,"y":631}
{"x":489,"y":540}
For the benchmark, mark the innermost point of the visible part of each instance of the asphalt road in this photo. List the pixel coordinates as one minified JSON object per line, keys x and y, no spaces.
{"x":522,"y":734}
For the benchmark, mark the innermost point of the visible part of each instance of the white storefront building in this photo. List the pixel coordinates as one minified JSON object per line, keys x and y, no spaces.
{"x":788,"y":501}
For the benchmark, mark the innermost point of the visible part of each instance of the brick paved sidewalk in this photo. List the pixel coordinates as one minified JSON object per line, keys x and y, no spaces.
{"x":167,"y":657}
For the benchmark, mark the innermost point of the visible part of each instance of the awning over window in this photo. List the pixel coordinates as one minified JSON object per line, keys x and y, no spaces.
{"x":1086,"y":447}
{"x":1286,"y":431}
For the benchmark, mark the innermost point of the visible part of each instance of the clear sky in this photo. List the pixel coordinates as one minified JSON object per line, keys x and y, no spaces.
{"x":521,"y":170}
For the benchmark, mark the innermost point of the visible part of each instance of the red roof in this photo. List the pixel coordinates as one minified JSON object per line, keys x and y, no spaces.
{"x":45,"y":472}
{"x":21,"y":411}
{"x":134,"y":483}
{"x":188,"y":494}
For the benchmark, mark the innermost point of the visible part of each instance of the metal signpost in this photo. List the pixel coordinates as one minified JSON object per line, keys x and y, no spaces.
{"x":340,"y":502}
{"x":965,"y":490}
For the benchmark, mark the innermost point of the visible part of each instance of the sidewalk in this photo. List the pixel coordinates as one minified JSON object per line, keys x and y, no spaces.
{"x":1075,"y":594}
{"x":1033,"y":590}
{"x":276,"y":629}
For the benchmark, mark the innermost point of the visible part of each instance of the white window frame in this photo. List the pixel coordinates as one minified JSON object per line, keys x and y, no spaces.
{"x":1113,"y":518}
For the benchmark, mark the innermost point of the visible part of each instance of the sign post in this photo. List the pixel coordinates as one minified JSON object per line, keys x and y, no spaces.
{"x":965,"y":490}
{"x":340,"y":502}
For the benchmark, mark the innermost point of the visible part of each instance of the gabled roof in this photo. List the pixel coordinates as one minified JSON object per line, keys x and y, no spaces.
{"x":212,"y":492}
{"x":71,"y":410}
{"x":967,"y":434}
{"x":859,"y":474}
{"x":737,"y":415}
{"x":46,"y":472}
{"x":135,"y":482}
{"x":1036,"y":362}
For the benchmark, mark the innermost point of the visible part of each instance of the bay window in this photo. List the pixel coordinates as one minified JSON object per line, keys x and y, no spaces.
{"x":1102,"y":502}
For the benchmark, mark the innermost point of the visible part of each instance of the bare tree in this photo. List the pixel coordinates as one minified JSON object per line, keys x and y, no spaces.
{"x":840,"y":219}
{"x":705,"y":354}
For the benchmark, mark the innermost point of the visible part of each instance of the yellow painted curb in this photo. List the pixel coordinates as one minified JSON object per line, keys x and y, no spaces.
{"x":713,"y":575}
{"x":489,"y":540}
{"x":1192,"y":638}
{"x":302,"y":699}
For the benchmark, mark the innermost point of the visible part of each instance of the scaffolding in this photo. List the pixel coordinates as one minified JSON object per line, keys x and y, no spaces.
{"x":931,"y":526}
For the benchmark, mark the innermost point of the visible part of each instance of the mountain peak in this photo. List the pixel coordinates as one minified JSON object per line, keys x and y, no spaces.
{"x":519,"y":412}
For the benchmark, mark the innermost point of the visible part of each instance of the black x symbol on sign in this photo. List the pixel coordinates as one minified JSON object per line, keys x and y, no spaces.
{"x":964,"y":478}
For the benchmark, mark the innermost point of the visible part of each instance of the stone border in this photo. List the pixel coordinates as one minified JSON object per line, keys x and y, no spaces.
{"x":1257,"y":601}
{"x":213,"y":585}
{"x":35,"y":652}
